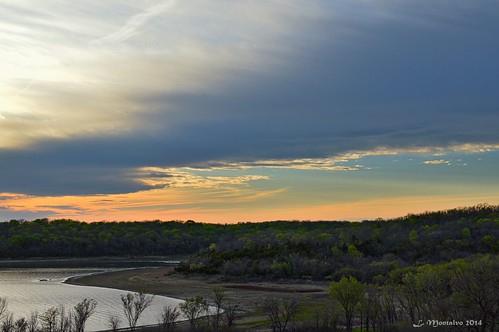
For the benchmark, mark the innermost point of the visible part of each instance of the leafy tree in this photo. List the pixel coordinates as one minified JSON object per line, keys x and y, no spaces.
{"x":489,"y":241}
{"x":192,"y":308}
{"x":413,"y":236}
{"x":348,"y":292}
{"x":466,"y":233}
{"x":353,"y":251}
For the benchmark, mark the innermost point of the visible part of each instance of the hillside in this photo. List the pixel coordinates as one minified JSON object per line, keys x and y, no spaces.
{"x":278,"y":249}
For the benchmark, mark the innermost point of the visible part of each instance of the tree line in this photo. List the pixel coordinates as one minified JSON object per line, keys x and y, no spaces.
{"x":279,"y":249}
{"x":331,"y":250}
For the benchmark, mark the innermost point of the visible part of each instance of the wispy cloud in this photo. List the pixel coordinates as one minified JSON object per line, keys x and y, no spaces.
{"x":177,"y":195}
{"x":437,"y":162}
{"x":325,"y":164}
{"x":136,"y":22}
{"x":337,"y":162}
{"x":179,"y":178}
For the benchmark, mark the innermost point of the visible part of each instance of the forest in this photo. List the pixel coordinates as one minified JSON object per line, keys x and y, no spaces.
{"x":436,"y":269}
{"x":366,"y":250}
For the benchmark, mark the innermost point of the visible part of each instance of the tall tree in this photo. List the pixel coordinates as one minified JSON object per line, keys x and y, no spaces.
{"x":134,"y":305}
{"x":348,"y":292}
{"x":82,"y":312}
{"x":280,"y":312}
{"x":192,"y":309}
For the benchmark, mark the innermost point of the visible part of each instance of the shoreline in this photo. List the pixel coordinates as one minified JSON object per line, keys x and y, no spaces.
{"x":68,"y":281}
{"x":90,"y":262}
{"x":74,"y":281}
{"x":164,"y":281}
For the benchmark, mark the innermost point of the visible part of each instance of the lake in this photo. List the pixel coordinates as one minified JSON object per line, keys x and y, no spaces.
{"x":29,"y":290}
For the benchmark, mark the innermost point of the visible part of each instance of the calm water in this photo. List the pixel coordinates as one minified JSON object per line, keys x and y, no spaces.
{"x":25,"y":293}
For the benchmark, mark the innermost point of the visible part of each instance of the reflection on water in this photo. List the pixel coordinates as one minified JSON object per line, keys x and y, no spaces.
{"x":29,"y":290}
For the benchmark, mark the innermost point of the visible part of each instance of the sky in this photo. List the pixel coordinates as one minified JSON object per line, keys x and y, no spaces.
{"x":229,"y":111}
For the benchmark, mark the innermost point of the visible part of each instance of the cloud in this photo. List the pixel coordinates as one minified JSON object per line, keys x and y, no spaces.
{"x":179,"y":178}
{"x":173,"y":192}
{"x":57,"y":84}
{"x":237,"y":84}
{"x":336,"y":162}
{"x":134,"y":23}
{"x":325,"y":164}
{"x":437,"y":162}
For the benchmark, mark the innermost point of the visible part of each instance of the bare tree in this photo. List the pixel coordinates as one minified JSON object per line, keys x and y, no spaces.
{"x":65,"y":322}
{"x":168,"y":318}
{"x":478,"y":286}
{"x":207,"y":314}
{"x":3,"y":307}
{"x":82,"y":312}
{"x":114,"y":322}
{"x":326,"y":318}
{"x":218,"y":300}
{"x":192,"y":309}
{"x":230,"y":312}
{"x":49,"y":319}
{"x":33,"y":322}
{"x":134,"y":305}
{"x":280,"y":312}
{"x":8,"y":323}
{"x":21,"y":325}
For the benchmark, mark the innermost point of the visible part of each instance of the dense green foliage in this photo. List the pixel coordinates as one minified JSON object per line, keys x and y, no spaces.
{"x":366,"y":250}
{"x":386,"y":274}
{"x":461,"y":295}
{"x":67,"y":238}
{"x":281,"y":249}
{"x":349,"y":293}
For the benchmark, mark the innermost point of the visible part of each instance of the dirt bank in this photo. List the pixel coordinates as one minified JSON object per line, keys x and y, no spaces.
{"x":248,"y":295}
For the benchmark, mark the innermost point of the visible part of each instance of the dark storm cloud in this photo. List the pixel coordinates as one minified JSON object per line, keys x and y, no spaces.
{"x":366,"y":74}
